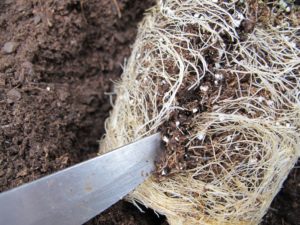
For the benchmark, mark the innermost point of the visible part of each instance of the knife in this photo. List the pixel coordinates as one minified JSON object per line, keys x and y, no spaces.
{"x":78,"y":193}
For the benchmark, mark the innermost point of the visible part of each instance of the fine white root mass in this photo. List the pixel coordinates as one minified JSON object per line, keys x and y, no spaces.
{"x":220,"y":81}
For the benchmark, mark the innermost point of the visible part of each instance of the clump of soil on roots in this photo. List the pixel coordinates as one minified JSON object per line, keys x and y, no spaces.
{"x":232,"y":65}
{"x":217,"y":85}
{"x":220,"y":83}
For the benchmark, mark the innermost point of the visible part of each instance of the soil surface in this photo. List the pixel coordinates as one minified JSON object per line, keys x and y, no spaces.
{"x":57,"y":62}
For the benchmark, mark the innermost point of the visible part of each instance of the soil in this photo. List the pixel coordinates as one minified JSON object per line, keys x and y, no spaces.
{"x":202,"y":99}
{"x":285,"y":207}
{"x":57,"y":62}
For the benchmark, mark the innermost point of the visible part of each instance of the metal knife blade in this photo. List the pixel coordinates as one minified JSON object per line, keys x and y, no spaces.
{"x":77,"y":194}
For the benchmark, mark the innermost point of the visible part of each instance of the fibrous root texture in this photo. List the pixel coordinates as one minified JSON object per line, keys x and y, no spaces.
{"x":220,"y":81}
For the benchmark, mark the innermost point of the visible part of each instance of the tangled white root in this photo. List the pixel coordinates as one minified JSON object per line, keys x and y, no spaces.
{"x":252,"y":135}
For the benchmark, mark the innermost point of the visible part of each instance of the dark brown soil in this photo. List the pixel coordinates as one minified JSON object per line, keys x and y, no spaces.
{"x":202,"y":99}
{"x":57,"y":61}
{"x":285,"y":208}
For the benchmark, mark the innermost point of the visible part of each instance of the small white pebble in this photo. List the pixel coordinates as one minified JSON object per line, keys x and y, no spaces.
{"x":221,"y":118}
{"x":229,"y":138}
{"x":177,"y":123}
{"x":48,"y":88}
{"x":195,"y":110}
{"x":288,"y":9}
{"x":288,"y":125}
{"x":216,"y":82}
{"x":176,"y":138}
{"x":165,"y":139}
{"x":238,"y":18}
{"x":138,"y":55}
{"x":270,"y":103}
{"x":163,"y":172}
{"x":217,"y":65}
{"x":236,"y":23}
{"x":219,"y":76}
{"x":163,"y":82}
{"x":215,"y":1}
{"x":261,"y":99}
{"x":277,"y":124}
{"x":196,"y":15}
{"x":204,"y":88}
{"x":200,"y":136}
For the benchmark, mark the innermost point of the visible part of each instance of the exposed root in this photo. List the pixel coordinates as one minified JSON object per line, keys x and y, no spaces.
{"x":117,"y":8}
